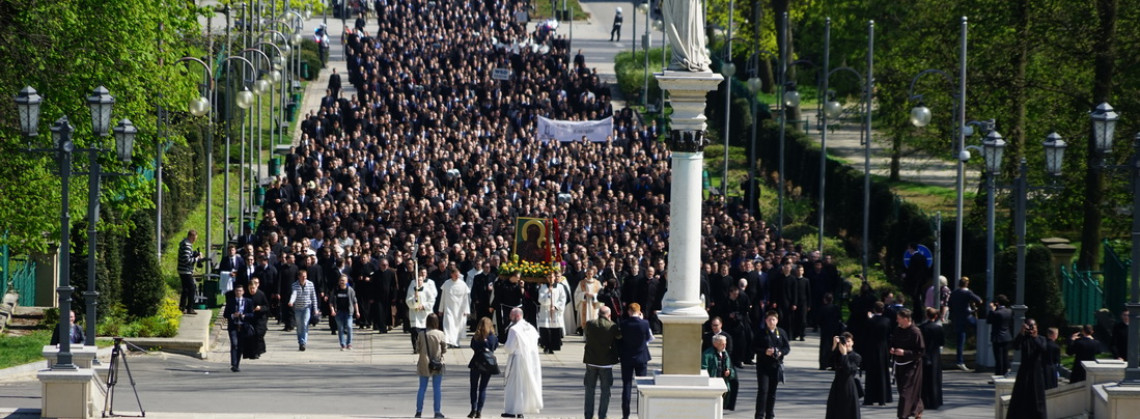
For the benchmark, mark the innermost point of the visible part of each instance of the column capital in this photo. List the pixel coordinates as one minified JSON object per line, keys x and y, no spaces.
{"x":690,"y":141}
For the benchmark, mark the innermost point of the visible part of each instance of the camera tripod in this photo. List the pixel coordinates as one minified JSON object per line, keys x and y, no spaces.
{"x":118,"y":356}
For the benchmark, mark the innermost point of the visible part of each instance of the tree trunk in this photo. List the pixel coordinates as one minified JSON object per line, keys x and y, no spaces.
{"x":1104,"y":69}
{"x":1018,"y":94}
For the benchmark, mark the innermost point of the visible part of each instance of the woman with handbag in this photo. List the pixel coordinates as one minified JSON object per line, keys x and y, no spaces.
{"x":483,"y":364}
{"x":431,"y":345}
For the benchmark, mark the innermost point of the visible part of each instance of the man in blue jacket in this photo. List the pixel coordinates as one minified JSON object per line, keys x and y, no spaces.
{"x":635,"y":337}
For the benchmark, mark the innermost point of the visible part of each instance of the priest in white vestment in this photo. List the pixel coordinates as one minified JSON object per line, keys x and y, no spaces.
{"x":455,"y":303}
{"x":523,"y":393}
{"x":552,"y":302}
{"x":586,"y":297}
{"x":420,"y":300}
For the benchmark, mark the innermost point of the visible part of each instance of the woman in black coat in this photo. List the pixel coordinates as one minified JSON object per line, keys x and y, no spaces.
{"x":843,"y":399}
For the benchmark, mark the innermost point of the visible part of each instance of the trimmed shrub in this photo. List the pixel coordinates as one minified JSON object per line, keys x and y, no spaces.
{"x":143,"y":286}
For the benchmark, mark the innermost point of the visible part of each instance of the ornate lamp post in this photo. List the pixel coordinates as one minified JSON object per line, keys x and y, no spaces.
{"x":920,"y":116}
{"x":100,"y":104}
{"x":1104,"y":126}
{"x":1054,"y":154}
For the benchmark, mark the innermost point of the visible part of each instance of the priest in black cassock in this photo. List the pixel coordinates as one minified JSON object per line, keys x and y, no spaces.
{"x":932,"y":361}
{"x":1028,"y":398}
{"x":843,"y":399}
{"x":907,"y":347}
{"x":873,"y":336}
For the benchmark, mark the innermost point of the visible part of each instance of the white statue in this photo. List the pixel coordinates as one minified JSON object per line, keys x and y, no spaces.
{"x":684,"y":25}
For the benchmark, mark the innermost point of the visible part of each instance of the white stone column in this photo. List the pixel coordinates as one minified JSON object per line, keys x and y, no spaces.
{"x":682,"y":389}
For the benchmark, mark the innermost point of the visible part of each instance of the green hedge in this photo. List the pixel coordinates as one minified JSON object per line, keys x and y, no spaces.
{"x":630,"y":69}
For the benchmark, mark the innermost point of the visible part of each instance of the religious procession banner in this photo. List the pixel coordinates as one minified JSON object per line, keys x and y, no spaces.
{"x":537,"y":249}
{"x":569,"y":131}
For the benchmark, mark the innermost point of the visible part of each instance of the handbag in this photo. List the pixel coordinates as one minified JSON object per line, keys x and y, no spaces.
{"x":859,"y":388}
{"x":435,"y":364}
{"x":488,"y":364}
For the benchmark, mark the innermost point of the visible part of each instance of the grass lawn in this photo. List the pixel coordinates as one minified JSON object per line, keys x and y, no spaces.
{"x":20,"y":350}
{"x":542,"y":9}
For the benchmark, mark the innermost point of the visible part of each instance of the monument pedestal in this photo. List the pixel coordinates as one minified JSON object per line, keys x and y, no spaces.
{"x":678,"y":396}
{"x":67,"y":393}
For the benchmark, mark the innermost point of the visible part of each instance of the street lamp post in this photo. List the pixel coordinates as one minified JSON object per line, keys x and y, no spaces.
{"x":1104,"y":125}
{"x":1054,"y":155}
{"x":644,"y":8}
{"x":728,"y":69}
{"x":833,"y":110}
{"x":100,"y":104}
{"x":920,"y":117}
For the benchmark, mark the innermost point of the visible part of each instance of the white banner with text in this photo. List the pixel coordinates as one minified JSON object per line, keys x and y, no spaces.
{"x":567,"y":131}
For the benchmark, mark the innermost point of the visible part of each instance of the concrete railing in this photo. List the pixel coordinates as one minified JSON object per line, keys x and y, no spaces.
{"x":1069,"y":400}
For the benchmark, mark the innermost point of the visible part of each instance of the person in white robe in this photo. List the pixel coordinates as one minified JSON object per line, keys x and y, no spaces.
{"x":586,"y":297}
{"x":420,"y":300}
{"x":455,"y":305}
{"x":523,"y":392}
{"x":552,"y":299}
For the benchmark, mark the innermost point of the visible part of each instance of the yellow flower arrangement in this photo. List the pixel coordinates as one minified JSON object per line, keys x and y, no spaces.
{"x":529,"y":271}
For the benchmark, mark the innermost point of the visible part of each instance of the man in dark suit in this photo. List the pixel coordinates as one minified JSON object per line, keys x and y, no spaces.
{"x":239,"y":317}
{"x":600,"y":355}
{"x":635,"y":337}
{"x":286,"y":276}
{"x":1082,"y":347}
{"x":800,"y":297}
{"x":771,"y":348}
{"x":334,"y":84}
{"x":1000,"y":320}
{"x":232,"y":261}
{"x":268,"y":276}
{"x":384,"y":295}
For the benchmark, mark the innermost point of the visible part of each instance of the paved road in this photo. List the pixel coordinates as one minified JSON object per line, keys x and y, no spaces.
{"x":377,"y":379}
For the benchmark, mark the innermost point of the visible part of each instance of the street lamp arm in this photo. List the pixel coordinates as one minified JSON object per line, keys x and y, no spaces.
{"x":273,"y":32}
{"x":275,"y":47}
{"x":252,"y":68}
{"x":204,"y":64}
{"x":263,"y":54}
{"x":910,"y":91}
{"x":848,"y":69}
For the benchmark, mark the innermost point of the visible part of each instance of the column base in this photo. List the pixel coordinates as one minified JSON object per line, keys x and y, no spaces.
{"x":681,"y":349}
{"x":66,"y":394}
{"x":81,"y":356}
{"x":1114,"y":401}
{"x":680,"y":396}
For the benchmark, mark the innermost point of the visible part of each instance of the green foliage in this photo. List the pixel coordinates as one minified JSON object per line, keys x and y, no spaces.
{"x":1042,"y":287}
{"x":801,"y":232}
{"x":64,"y":50}
{"x":142,"y":280}
{"x":542,"y":9}
{"x":630,"y":69}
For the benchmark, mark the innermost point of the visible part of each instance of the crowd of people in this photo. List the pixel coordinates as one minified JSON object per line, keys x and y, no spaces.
{"x":397,"y":208}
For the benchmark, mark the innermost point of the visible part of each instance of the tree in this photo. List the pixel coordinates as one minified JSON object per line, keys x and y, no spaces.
{"x":143,"y":284}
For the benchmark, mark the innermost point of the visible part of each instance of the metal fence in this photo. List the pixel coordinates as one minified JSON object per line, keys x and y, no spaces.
{"x":1115,"y":279}
{"x":1082,"y":295}
{"x":20,"y":274}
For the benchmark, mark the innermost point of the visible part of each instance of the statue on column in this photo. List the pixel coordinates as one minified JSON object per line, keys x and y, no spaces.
{"x":684,"y":26}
